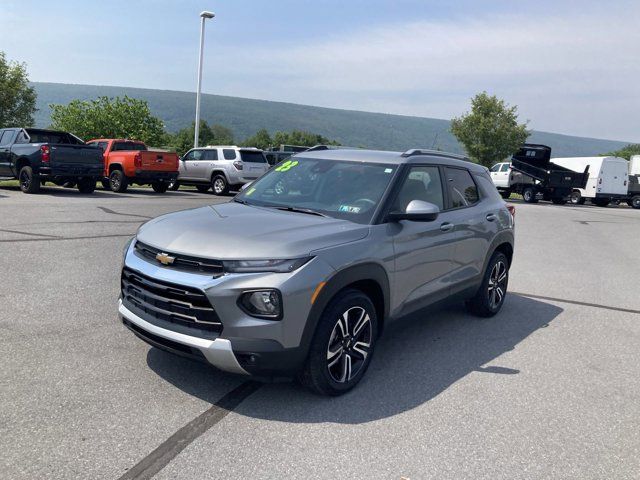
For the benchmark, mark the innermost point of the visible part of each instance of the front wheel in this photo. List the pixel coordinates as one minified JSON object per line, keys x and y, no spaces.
{"x":219,"y":185}
{"x":159,"y":187}
{"x":489,"y":298}
{"x":29,"y":181}
{"x":529,"y":195}
{"x":86,"y":185}
{"x":343,"y":344}
{"x":118,"y":181}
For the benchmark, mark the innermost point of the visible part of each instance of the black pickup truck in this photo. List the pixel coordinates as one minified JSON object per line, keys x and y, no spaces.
{"x":35,"y":156}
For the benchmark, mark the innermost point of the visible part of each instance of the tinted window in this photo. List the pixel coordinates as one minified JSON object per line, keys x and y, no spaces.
{"x":252,"y":157}
{"x":229,"y":154}
{"x":462,"y":189}
{"x":128,"y":147}
{"x":487,"y":186}
{"x":422,"y":183}
{"x":495,"y":168}
{"x":45,"y":136}
{"x":194,"y":155}
{"x":5,"y":137}
{"x":505,"y":167}
{"x":211,"y":154}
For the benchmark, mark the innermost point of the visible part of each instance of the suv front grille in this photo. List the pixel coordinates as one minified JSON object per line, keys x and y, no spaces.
{"x":182,"y":262}
{"x":168,"y":302}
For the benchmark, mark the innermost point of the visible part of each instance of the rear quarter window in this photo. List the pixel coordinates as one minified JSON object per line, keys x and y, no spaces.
{"x":229,"y":153}
{"x":488,"y":188}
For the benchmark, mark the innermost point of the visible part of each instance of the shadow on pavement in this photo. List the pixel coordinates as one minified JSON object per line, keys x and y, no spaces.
{"x":417,"y":358}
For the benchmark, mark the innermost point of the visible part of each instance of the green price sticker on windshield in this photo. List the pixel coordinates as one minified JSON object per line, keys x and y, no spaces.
{"x":288,"y":165}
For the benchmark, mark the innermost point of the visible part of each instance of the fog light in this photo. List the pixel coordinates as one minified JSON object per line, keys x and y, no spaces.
{"x":262,"y":303}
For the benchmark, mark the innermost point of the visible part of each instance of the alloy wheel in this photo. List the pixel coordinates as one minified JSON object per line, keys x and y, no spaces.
{"x":349,"y":344}
{"x":497,"y":284}
{"x":218,"y":186}
{"x":25,"y":180}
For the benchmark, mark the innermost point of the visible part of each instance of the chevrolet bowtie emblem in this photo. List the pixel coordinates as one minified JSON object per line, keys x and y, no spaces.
{"x":165,"y":258}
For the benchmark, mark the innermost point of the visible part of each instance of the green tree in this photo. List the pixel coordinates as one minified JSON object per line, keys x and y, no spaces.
{"x":17,"y":98}
{"x":300,"y":137}
{"x":261,"y":140}
{"x":626,"y":152}
{"x":490,"y":132}
{"x":182,"y":140}
{"x":109,"y":118}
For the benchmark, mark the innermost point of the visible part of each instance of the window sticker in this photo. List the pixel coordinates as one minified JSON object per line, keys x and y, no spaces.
{"x":250,"y":191}
{"x":388,"y":170}
{"x":349,"y":209}
{"x":286,"y":166}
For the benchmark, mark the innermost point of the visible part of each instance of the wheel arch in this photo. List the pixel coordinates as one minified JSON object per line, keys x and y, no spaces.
{"x":370,"y":278}
{"x":20,"y":163}
{"x":115,"y":166}
{"x":219,"y":171}
{"x":502,"y":243}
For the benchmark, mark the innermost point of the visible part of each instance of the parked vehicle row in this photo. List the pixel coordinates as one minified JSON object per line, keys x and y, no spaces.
{"x":535,"y":175}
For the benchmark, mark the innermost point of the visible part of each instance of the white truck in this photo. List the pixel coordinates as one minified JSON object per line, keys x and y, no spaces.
{"x":608,"y":179}
{"x":633,"y":198}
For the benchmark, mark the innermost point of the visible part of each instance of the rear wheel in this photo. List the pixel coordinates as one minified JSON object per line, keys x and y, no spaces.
{"x":202,"y":188}
{"x":160,"y":187}
{"x":29,"y":181}
{"x":219,"y":185}
{"x":86,"y":185}
{"x":635,"y":202}
{"x":118,"y":181}
{"x":529,"y":195}
{"x":343,"y":344}
{"x":577,"y":198}
{"x":175,"y":185}
{"x":489,"y":298}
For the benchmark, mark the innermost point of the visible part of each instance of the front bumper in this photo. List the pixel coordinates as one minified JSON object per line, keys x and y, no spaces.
{"x":217,"y":352}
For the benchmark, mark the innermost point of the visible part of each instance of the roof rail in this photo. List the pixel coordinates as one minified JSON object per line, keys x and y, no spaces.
{"x":316,"y":148}
{"x":434,"y":153}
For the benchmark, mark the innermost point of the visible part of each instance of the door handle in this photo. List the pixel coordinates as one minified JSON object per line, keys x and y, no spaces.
{"x":491,"y":217}
{"x":445,"y":227}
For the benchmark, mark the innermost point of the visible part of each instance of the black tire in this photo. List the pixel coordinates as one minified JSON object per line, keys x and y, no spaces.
{"x":86,"y":185}
{"x":219,"y":185}
{"x":29,"y":181}
{"x":506,"y":194}
{"x":202,"y":188}
{"x":529,"y":195}
{"x":577,"y":198}
{"x":118,"y":181}
{"x":489,"y":298}
{"x":559,"y":201}
{"x":335,"y":375}
{"x":160,"y":187}
{"x":106,"y":184}
{"x":173,"y":186}
{"x":635,"y":202}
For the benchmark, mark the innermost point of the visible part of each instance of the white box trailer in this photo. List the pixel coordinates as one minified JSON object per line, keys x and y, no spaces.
{"x":608,"y":179}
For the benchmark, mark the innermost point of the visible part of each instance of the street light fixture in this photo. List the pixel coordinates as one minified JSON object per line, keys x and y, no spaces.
{"x":203,"y":16}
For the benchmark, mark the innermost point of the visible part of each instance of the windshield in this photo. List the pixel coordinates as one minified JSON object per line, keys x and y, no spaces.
{"x":339,"y":189}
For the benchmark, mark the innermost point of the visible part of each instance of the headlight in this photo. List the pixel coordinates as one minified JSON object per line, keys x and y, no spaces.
{"x":262,"y":303}
{"x":252,"y":266}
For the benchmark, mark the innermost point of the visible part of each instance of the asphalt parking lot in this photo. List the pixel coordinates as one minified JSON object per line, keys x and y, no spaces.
{"x":549,"y":388}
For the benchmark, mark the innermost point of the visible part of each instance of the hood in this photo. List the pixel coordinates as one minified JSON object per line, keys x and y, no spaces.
{"x":231,"y":231}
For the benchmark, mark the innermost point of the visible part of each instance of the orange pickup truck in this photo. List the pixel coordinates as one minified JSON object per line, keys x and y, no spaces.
{"x":128,"y":162}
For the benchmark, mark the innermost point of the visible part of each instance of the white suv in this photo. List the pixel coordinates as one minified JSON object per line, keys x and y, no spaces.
{"x":220,"y":167}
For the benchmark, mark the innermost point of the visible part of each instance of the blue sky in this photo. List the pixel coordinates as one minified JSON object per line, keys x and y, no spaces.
{"x":571,"y":66}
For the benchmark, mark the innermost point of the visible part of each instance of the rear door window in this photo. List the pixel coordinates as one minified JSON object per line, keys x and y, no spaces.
{"x":252,"y":157}
{"x":505,"y":167}
{"x":229,"y":153}
{"x":5,"y":137}
{"x":463,"y":191}
{"x":211,"y":154}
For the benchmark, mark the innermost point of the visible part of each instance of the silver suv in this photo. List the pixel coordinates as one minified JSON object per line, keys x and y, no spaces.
{"x":299,"y":274}
{"x":220,"y":168}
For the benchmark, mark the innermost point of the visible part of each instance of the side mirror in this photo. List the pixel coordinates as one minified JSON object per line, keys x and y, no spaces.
{"x":417,"y":211}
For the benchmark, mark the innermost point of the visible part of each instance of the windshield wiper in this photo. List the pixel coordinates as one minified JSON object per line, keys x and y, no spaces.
{"x":243,"y":202}
{"x":301,"y":210}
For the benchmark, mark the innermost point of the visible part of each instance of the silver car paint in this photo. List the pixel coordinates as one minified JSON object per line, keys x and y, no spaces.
{"x":201,"y":171}
{"x":421,"y":259}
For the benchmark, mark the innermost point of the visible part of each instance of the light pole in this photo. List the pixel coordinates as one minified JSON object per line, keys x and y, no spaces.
{"x":203,"y":17}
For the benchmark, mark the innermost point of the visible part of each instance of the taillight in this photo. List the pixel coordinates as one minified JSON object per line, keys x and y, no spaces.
{"x":512,"y":210}
{"x":238,"y":164}
{"x":45,"y":153}
{"x":137,"y":160}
